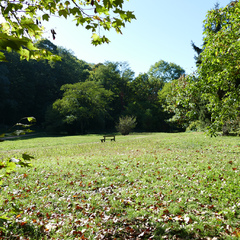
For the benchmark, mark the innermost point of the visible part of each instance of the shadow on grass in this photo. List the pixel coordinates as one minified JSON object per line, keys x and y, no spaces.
{"x":124,"y":229}
{"x":46,"y":135}
{"x":180,"y":234}
{"x":142,"y":228}
{"x":31,"y":136}
{"x":17,"y":230}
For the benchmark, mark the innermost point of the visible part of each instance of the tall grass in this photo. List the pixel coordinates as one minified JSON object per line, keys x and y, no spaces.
{"x":143,"y":186}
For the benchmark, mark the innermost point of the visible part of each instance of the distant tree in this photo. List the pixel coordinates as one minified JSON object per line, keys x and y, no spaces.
{"x":20,"y":95}
{"x":143,"y":103}
{"x":159,"y":74}
{"x":29,"y":87}
{"x":182,"y":100}
{"x":198,"y":50}
{"x":165,"y":72}
{"x":114,"y":76}
{"x":81,"y":102}
{"x":125,"y":71}
{"x":47,"y":45}
{"x":23,"y":19}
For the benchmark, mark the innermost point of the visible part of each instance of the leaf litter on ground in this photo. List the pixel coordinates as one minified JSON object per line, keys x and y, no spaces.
{"x":154,"y":186}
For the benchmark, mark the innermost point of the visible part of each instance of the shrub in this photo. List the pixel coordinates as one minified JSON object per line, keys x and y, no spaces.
{"x":126,"y":124}
{"x":195,"y":126}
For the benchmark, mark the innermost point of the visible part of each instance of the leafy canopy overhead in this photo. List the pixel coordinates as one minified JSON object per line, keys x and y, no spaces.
{"x":23,"y":19}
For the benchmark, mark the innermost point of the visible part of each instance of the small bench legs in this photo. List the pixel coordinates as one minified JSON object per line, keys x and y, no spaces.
{"x":108,"y":137}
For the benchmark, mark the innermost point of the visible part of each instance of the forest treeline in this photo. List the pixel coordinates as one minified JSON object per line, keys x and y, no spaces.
{"x":74,"y":96}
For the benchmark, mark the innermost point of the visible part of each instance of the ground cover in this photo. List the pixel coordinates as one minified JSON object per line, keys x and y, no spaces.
{"x":143,"y":186}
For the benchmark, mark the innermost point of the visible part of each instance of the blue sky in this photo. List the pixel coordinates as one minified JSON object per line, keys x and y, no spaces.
{"x":163,"y":30}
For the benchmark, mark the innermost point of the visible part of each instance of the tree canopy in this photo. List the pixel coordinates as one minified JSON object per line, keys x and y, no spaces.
{"x":165,"y":71}
{"x":214,"y":91}
{"x":219,"y":72}
{"x":32,"y":88}
{"x":23,"y":22}
{"x":80,"y":103}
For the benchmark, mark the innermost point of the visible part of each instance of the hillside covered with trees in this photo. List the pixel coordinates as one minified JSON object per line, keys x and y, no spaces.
{"x":74,"y":96}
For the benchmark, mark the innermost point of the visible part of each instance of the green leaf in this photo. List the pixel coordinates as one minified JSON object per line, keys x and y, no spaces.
{"x":3,"y":218}
{"x":5,"y":26}
{"x":31,"y":119}
{"x":27,"y":13}
{"x":10,"y":167}
{"x":95,"y":37}
{"x":74,"y":11}
{"x":67,"y":3}
{"x":45,"y":17}
{"x":2,"y":57}
{"x":63,"y":12}
{"x":24,"y":54}
{"x":101,"y":10}
{"x":130,"y":16}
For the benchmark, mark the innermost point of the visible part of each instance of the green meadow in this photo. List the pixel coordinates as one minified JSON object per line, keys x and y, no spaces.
{"x":143,"y":186}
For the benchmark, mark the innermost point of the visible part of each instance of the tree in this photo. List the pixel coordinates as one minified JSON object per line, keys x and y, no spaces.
{"x":182,"y":100}
{"x":219,"y":72}
{"x":23,"y":21}
{"x":39,"y":79}
{"x":114,"y":76}
{"x":198,"y":50}
{"x":165,"y":72}
{"x":81,"y":102}
{"x":125,"y":71}
{"x":212,"y":95}
{"x":146,"y":105}
{"x":144,"y":96}
{"x":215,"y":27}
{"x":143,"y":103}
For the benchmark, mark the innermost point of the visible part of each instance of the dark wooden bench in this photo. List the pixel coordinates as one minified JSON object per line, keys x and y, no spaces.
{"x":108,"y":137}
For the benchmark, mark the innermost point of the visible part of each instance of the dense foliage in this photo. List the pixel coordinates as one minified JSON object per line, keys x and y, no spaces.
{"x":29,"y":87}
{"x":73,"y":96}
{"x":163,"y":99}
{"x":219,"y":73}
{"x":81,"y":103}
{"x":165,"y":72}
{"x":212,"y":95}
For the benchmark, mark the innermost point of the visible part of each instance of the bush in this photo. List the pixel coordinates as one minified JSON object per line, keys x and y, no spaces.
{"x":196,"y":126}
{"x":126,"y":124}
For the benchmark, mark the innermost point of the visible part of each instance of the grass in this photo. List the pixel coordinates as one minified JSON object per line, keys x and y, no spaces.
{"x":143,"y":186}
